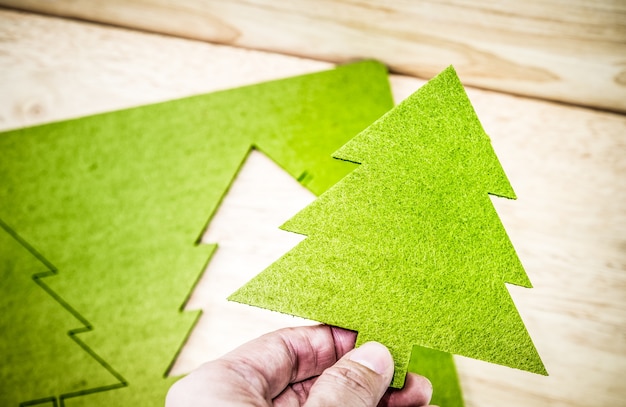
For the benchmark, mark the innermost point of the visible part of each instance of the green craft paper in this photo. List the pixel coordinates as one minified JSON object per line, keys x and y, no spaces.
{"x":407,"y":249}
{"x":116,"y":202}
{"x":46,"y":362}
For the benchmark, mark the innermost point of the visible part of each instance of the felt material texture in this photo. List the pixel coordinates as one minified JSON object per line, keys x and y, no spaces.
{"x":44,"y":359}
{"x":407,"y":249}
{"x":117,"y":201}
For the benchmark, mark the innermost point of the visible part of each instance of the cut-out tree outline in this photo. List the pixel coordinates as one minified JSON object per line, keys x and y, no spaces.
{"x":36,"y":334}
{"x":408,"y":249}
{"x":262,"y":196}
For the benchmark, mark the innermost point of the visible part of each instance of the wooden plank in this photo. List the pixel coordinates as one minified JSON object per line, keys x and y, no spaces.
{"x":570,"y":51}
{"x":566,"y":164}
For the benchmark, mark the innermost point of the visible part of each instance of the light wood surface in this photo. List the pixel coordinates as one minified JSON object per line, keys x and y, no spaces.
{"x":261,"y":197}
{"x":572,"y":51}
{"x":566,"y":164}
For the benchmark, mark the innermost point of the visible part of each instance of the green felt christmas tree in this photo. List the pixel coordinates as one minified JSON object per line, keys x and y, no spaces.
{"x":408,"y":249}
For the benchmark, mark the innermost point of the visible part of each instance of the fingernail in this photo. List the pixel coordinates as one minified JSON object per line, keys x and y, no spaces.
{"x":374,"y":356}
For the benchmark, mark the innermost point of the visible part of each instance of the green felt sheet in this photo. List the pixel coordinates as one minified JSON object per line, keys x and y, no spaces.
{"x":116,"y":202}
{"x":407,"y":249}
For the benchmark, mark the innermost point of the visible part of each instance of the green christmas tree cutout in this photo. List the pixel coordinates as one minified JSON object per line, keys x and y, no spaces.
{"x":408,"y":249}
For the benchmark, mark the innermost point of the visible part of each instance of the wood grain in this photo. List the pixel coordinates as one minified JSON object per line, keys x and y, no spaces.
{"x":570,"y":51}
{"x":567,"y":165}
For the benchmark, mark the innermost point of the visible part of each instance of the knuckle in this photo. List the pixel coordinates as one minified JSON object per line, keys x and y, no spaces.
{"x":354,"y":380}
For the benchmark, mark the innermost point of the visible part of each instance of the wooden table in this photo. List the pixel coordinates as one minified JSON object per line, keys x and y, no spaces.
{"x":541,"y":48}
{"x":567,"y":165}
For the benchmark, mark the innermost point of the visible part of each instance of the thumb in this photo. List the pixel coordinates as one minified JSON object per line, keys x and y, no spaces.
{"x":358,"y":379}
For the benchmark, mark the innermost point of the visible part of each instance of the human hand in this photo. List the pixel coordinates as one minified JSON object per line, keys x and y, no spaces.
{"x":306,"y":366}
